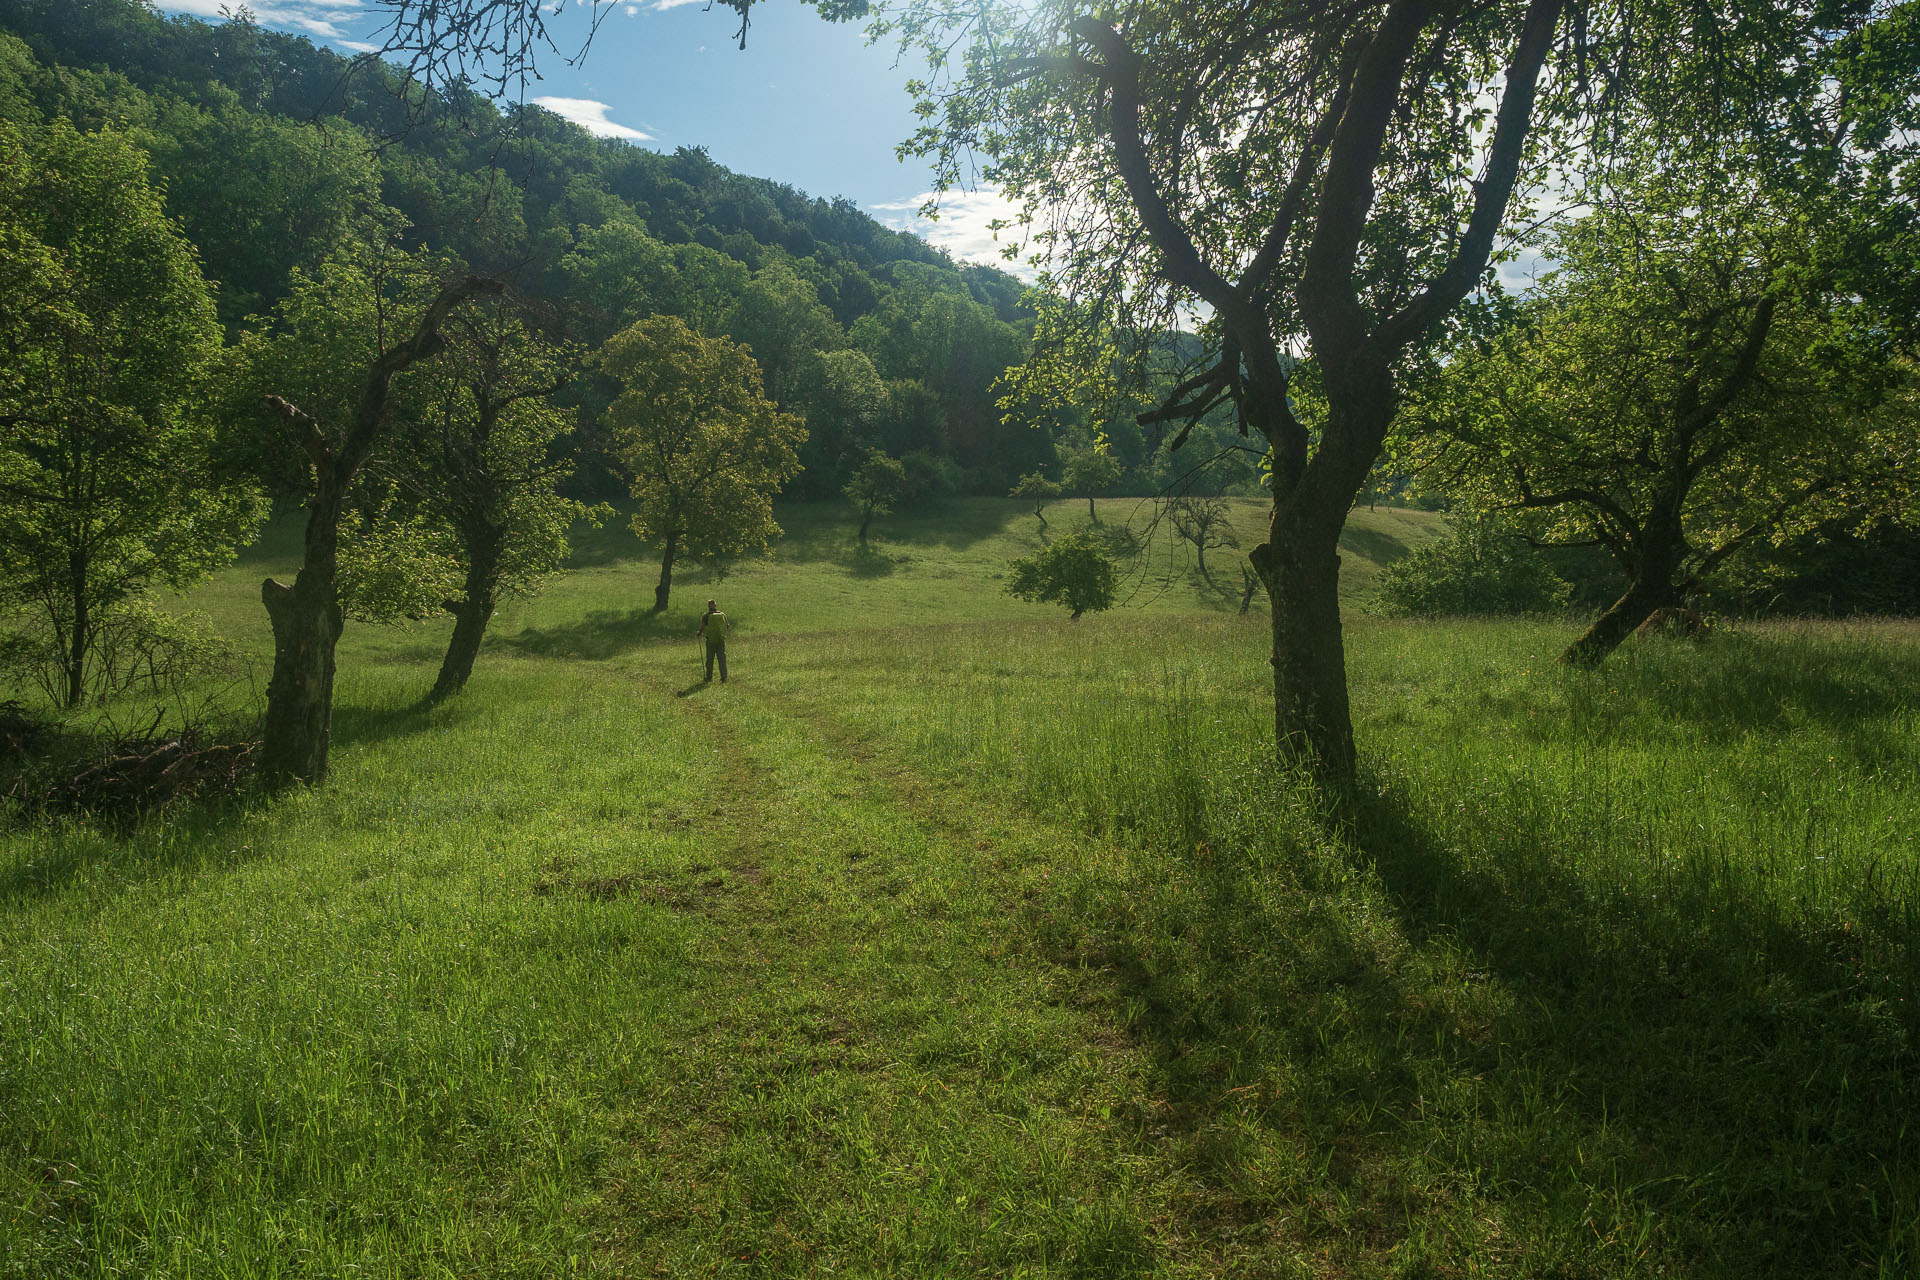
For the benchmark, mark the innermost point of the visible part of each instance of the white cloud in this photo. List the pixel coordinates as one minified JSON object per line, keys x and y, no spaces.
{"x":963,"y":226}
{"x":591,"y":116}
{"x":315,"y":17}
{"x":358,"y":46}
{"x":661,"y":6}
{"x":1519,"y":275}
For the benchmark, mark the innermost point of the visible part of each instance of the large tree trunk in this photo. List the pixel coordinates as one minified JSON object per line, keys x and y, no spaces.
{"x":1300,"y":564}
{"x":1652,"y":567}
{"x":1622,"y":618}
{"x":1312,"y":721}
{"x":665,"y":586}
{"x":470,"y":618}
{"x":866,"y":518}
{"x":298,"y":732}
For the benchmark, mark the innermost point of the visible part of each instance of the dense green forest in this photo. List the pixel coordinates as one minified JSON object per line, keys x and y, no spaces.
{"x":274,"y":153}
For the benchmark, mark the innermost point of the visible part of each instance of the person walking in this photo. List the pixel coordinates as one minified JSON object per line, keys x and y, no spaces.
{"x":713,"y":627}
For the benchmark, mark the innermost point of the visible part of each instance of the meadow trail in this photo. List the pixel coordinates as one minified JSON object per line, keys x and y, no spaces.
{"x":872,"y":1069}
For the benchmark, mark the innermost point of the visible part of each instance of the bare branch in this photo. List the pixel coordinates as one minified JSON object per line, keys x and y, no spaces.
{"x":1495,"y":188}
{"x":311,"y":438}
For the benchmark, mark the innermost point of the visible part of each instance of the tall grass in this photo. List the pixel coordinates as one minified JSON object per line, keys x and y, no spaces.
{"x":993,"y":948}
{"x":339,"y":1034}
{"x":1609,"y":972}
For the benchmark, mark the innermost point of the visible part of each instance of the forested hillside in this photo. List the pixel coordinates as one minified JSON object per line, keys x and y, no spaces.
{"x":274,"y":153}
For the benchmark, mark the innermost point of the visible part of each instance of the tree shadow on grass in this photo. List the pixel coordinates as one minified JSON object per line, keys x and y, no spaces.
{"x":364,"y":726}
{"x":1694,"y":1070}
{"x":1375,"y":545}
{"x":1733,"y":686}
{"x":1759,"y":1061}
{"x":868,"y":563}
{"x":602,"y":634}
{"x":188,"y":831}
{"x":188,"y":834}
{"x":1757,"y":682}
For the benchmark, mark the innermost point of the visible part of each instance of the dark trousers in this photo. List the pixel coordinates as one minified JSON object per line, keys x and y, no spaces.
{"x":717,"y":651}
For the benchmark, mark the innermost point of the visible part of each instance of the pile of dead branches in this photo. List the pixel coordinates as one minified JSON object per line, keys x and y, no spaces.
{"x":22,"y":733}
{"x":130,"y":776}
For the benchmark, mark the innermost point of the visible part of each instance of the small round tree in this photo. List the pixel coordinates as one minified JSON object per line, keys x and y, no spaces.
{"x":1039,"y":490}
{"x":1089,"y":471}
{"x":706,"y":448}
{"x":1075,"y":571}
{"x":877,"y":483}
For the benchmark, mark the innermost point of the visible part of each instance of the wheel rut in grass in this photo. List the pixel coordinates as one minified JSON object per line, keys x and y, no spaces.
{"x":870,"y":1077}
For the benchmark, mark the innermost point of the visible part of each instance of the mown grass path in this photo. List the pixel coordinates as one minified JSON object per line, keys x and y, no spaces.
{"x":887,"y":1082}
{"x":581,"y":974}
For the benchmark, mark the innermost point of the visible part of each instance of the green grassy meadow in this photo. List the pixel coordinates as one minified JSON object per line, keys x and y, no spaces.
{"x":951,"y":938}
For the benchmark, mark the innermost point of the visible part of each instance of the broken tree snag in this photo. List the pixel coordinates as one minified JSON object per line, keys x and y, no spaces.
{"x":298,"y":731}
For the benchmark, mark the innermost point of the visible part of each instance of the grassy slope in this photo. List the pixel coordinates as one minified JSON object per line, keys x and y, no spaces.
{"x":932,"y":566}
{"x":990,"y":949}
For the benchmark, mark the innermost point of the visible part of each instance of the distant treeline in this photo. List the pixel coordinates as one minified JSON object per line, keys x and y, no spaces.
{"x":273,"y":152}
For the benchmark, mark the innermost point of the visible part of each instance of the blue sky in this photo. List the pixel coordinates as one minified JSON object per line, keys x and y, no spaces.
{"x":807,"y":103}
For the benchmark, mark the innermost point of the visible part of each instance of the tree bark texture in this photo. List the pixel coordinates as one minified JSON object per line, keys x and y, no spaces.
{"x":665,"y":585}
{"x":297,"y":734}
{"x":471,"y":617}
{"x":1622,"y":618}
{"x":1311,"y":720}
{"x":1299,"y":564}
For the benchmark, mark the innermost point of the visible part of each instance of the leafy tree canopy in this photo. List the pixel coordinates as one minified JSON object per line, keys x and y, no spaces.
{"x":1697,"y":374}
{"x":276,"y":154}
{"x":878,"y":482}
{"x":1328,"y":185}
{"x":108,"y":466}
{"x":705,"y":448}
{"x":1075,"y":571}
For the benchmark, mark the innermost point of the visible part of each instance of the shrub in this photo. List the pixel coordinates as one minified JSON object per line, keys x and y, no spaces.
{"x":137,"y":647}
{"x":1480,"y":568}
